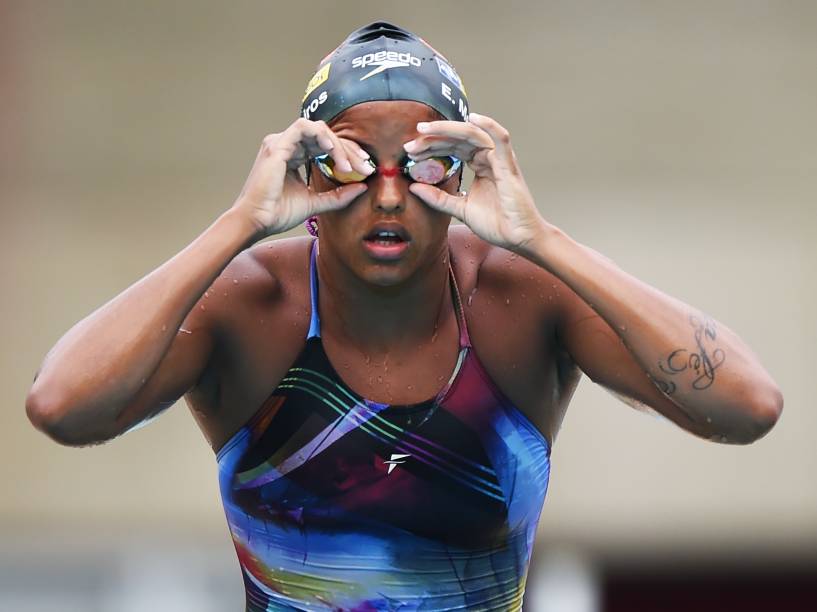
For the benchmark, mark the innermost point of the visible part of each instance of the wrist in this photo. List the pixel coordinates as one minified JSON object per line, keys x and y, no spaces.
{"x":240,"y":228}
{"x":544,"y":239}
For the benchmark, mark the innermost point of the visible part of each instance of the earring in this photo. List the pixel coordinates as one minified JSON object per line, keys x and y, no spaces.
{"x":312,"y":225}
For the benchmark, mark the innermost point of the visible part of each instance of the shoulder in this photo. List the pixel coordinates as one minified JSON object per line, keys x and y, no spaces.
{"x":263,"y":275}
{"x":267,"y":267}
{"x":495,"y":265}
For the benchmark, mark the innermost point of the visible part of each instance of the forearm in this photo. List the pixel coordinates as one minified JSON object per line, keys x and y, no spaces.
{"x":103,"y":360}
{"x":701,"y":365}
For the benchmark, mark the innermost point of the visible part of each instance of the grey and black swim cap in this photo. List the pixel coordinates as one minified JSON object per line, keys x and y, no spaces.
{"x":382,"y":61}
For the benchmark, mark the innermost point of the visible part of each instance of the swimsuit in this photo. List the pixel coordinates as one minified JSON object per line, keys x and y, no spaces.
{"x":336,"y":502}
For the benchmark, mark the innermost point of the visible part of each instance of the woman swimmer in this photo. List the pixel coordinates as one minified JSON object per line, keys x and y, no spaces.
{"x":369,"y":459}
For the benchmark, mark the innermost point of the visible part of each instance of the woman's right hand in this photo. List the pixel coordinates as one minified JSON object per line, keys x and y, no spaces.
{"x":275,"y":197}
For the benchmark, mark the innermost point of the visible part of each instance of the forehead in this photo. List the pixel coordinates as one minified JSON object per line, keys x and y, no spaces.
{"x":384,"y":122}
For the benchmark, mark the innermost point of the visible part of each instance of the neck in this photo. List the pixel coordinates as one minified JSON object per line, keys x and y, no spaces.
{"x":379,"y":319}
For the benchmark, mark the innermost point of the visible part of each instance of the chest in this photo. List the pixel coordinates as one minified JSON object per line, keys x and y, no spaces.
{"x":509,"y":331}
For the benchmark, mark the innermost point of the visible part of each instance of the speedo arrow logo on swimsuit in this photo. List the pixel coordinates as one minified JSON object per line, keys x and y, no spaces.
{"x":384,"y":60}
{"x":395,"y":461}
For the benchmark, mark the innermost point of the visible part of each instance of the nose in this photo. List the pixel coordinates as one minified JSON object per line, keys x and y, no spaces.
{"x":388,"y":190}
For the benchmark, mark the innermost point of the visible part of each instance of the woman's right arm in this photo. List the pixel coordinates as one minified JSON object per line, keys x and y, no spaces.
{"x":128,"y":360}
{"x":97,"y":369}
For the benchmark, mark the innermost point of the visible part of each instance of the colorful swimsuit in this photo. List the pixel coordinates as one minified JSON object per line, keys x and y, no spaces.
{"x":336,"y":502}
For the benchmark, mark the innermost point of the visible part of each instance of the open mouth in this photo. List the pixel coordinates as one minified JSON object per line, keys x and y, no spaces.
{"x":384,"y":237}
{"x":386,"y":243}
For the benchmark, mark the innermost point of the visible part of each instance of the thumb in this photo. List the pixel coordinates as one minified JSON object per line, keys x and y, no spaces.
{"x":336,"y":198}
{"x":440,"y":200}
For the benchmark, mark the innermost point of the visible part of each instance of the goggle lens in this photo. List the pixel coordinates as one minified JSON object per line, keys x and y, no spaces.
{"x":433,"y":170}
{"x":327,"y":166}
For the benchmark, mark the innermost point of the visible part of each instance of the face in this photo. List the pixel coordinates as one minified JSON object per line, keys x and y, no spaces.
{"x":382,"y":128}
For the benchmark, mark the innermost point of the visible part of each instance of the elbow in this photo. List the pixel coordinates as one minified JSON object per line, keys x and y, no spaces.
{"x":760,"y":417}
{"x":49,"y":414}
{"x":767,"y":411}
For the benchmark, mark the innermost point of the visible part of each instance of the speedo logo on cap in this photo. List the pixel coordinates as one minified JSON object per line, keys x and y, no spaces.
{"x":384,"y":60}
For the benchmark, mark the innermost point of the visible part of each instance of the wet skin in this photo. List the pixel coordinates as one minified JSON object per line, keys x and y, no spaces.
{"x":388,"y":327}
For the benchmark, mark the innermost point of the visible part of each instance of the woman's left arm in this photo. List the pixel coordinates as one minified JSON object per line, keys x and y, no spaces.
{"x":677,"y":359}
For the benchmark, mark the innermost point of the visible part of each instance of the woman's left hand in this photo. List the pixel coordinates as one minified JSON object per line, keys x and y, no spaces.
{"x":498,"y":207}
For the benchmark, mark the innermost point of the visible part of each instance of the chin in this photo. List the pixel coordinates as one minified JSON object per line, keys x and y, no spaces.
{"x":387,"y":274}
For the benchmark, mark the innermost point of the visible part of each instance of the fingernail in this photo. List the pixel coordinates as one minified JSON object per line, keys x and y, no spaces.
{"x":411,"y":143}
{"x":477,"y":115}
{"x":422,"y":127}
{"x":369,"y":168}
{"x":363,"y":154}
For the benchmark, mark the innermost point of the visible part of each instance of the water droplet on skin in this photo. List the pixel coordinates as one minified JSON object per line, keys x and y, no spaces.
{"x":467,"y":245}
{"x":554,"y":286}
{"x":622,"y":327}
{"x":164,"y":327}
{"x":380,"y":379}
{"x":410,"y":387}
{"x":182,"y":330}
{"x":507,"y":302}
{"x":202,"y":307}
{"x":262,"y":321}
{"x":434,"y":337}
{"x":708,"y":419}
{"x":206,"y":294}
{"x":368,"y":359}
{"x":235,"y":281}
{"x":225,"y":294}
{"x":470,"y":299}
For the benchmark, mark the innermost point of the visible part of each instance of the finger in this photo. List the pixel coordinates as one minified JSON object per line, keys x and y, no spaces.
{"x":439,"y":146}
{"x":359,"y":158}
{"x":335,"y":199}
{"x":328,"y":143}
{"x":500,"y":137}
{"x":456,"y":130}
{"x":304,"y":139}
{"x":440,"y":200}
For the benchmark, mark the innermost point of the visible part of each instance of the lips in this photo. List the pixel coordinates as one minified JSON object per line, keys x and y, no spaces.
{"x":386,"y":241}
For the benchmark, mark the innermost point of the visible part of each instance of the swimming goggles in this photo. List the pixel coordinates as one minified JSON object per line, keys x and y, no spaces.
{"x":431,"y":171}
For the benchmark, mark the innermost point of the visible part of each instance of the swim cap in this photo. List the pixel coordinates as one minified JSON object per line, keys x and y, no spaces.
{"x":382,"y":61}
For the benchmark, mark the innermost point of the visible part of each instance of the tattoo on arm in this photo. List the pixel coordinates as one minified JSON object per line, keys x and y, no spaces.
{"x":702,"y":361}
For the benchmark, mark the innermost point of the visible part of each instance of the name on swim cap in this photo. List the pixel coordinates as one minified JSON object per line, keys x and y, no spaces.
{"x":382,"y":61}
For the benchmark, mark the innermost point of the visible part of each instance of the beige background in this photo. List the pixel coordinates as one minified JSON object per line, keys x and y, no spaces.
{"x":677,"y":138}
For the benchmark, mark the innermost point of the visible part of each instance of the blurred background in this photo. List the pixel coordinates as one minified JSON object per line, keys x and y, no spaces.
{"x":677,"y":138}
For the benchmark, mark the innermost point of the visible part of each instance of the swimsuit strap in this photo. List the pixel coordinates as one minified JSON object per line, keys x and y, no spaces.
{"x":465,"y":339}
{"x":315,"y":321}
